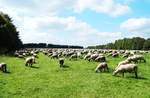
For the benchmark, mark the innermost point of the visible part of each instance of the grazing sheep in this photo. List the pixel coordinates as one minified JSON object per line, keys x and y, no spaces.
{"x":102,"y":67}
{"x":87,"y":56}
{"x":35,"y":55}
{"x":100,"y":59}
{"x":74,"y":56}
{"x":61,"y":62}
{"x":93,"y":57}
{"x":55,"y":55}
{"x":125,"y":55}
{"x":126,"y":68}
{"x":122,"y":63}
{"x":30,"y":61}
{"x":136,"y":58}
{"x":115,"y":55}
{"x":3,"y":67}
{"x":20,"y":56}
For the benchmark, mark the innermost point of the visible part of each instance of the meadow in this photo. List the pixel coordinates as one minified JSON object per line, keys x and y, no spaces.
{"x":77,"y":80}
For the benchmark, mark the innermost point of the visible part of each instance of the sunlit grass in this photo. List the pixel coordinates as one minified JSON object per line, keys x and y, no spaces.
{"x":47,"y":80}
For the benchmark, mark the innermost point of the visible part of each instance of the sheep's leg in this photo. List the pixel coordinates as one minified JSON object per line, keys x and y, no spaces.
{"x":5,"y":69}
{"x":30,"y":64}
{"x":104,"y":69}
{"x":107,"y":69}
{"x":100,"y":70}
{"x":122,"y":74}
{"x":136,"y":76}
{"x":144,"y":60}
{"x":26,"y":64}
{"x":96,"y":71}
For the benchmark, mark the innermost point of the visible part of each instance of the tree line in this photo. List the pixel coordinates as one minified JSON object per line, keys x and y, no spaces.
{"x":9,"y":36}
{"x":135,"y":43}
{"x":44,"y":45}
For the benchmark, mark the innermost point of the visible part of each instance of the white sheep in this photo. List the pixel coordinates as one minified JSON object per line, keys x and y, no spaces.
{"x":136,"y":58}
{"x":102,"y":67}
{"x":93,"y":57}
{"x":73,"y":56}
{"x":87,"y":56}
{"x":30,"y":61}
{"x":126,"y":68}
{"x":100,"y":59}
{"x":122,"y":63}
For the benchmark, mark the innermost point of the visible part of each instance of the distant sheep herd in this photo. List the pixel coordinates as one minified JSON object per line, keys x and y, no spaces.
{"x":133,"y":57}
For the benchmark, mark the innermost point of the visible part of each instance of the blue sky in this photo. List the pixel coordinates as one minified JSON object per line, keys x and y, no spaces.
{"x":78,"y":22}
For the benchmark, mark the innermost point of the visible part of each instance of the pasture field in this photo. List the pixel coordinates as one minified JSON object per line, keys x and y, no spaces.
{"x":46,"y":80}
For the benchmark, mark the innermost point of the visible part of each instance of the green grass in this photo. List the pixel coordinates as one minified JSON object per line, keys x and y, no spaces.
{"x":47,"y":80}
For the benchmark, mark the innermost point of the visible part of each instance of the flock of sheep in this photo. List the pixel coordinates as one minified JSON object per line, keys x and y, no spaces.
{"x":128,"y":65}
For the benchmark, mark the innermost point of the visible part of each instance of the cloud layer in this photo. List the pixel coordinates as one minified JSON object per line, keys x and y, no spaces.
{"x":109,"y":7}
{"x":40,"y":21}
{"x":137,"y":25}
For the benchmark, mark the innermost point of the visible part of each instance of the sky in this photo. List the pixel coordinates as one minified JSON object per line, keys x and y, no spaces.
{"x":78,"y":22}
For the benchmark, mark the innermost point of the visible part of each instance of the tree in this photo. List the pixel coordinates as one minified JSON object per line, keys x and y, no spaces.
{"x":135,"y":43}
{"x":146,"y":45}
{"x":9,"y":36}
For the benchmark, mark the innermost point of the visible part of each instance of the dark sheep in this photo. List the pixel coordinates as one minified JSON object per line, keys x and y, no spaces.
{"x":3,"y":67}
{"x":61,"y":62}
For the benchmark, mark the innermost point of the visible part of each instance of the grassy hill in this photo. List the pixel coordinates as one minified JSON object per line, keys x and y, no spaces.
{"x":47,"y":80}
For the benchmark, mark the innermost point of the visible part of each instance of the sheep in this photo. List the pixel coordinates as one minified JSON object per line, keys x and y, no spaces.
{"x":141,"y":58}
{"x":87,"y":56}
{"x":93,"y":57}
{"x":3,"y":67}
{"x":30,"y":61}
{"x":61,"y":62}
{"x":74,"y":56}
{"x":136,"y":58}
{"x":100,"y":59}
{"x":20,"y":56}
{"x":102,"y":67}
{"x":125,"y":55}
{"x":35,"y":55}
{"x":122,"y":63}
{"x":54,"y":55}
{"x":126,"y":68}
{"x":115,"y":55}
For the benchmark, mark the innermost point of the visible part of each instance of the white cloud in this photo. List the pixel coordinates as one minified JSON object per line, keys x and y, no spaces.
{"x":38,"y":21}
{"x":68,"y":30}
{"x":136,"y":25}
{"x":109,"y":7}
{"x":52,"y":7}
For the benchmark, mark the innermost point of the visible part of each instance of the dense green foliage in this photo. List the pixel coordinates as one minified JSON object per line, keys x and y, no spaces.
{"x":135,"y":43}
{"x":44,"y":45}
{"x":47,"y":80}
{"x":9,"y":36}
{"x":147,"y":44}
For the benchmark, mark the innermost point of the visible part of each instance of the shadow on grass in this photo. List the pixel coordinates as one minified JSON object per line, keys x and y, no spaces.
{"x":131,"y":77}
{"x":65,"y":66}
{"x":7,"y":72}
{"x":35,"y":67}
{"x":140,"y":78}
